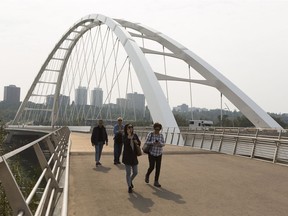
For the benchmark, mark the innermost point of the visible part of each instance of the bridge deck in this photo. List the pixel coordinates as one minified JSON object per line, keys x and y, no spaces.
{"x":194,"y":182}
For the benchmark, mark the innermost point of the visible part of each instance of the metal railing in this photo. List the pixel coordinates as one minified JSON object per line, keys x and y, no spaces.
{"x":56,"y":144}
{"x":267,"y":144}
{"x":271,"y":145}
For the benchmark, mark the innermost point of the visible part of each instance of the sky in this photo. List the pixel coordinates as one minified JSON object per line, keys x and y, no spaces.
{"x":245,"y":40}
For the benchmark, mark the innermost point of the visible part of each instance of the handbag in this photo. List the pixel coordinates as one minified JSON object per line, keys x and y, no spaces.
{"x":138,"y":150}
{"x":146,"y":148}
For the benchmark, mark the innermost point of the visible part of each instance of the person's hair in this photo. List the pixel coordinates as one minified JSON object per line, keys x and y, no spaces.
{"x":126,"y":128}
{"x":157,"y":125}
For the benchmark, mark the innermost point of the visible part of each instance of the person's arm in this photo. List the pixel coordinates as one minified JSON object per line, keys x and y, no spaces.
{"x":149,"y":139}
{"x":106,"y":136}
{"x":136,"y":138}
{"x":93,"y":136}
{"x":161,"y":140}
{"x":115,"y":129}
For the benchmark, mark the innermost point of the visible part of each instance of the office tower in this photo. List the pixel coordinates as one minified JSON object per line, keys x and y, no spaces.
{"x":81,"y":96}
{"x":63,"y":101}
{"x":121,"y":102}
{"x":97,"y":97}
{"x":11,"y":94}
{"x":136,"y":101}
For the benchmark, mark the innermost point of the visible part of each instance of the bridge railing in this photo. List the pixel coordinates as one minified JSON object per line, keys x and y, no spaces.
{"x":271,"y":145}
{"x":56,"y":145}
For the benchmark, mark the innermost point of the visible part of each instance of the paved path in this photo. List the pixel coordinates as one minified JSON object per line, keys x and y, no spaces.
{"x":194,"y":182}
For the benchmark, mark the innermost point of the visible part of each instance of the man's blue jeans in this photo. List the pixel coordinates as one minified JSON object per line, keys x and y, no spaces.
{"x":117,"y":151}
{"x":98,"y":150}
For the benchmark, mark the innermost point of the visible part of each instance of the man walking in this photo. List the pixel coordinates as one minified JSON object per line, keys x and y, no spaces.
{"x":98,"y":139}
{"x":118,"y":140}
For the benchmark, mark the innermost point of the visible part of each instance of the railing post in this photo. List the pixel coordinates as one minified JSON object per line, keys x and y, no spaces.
{"x":172,"y":136}
{"x":254,"y":144}
{"x":203,"y":138}
{"x":277,"y":145}
{"x":13,"y":193}
{"x":193,"y":140}
{"x":185,"y":140}
{"x":166,"y":136}
{"x":221,"y":140}
{"x":236,"y":142}
{"x":212,"y":140}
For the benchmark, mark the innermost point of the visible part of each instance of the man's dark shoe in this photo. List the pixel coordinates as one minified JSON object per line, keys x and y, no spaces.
{"x":156,"y":184}
{"x":147,"y":179}
{"x":130,"y":190}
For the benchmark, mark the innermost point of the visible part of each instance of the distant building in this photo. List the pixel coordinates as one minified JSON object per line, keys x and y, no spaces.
{"x":121,"y":102}
{"x":11,"y":94}
{"x":136,"y":101}
{"x":97,"y":97}
{"x":181,"y":108}
{"x":63,"y":101}
{"x":81,"y":96}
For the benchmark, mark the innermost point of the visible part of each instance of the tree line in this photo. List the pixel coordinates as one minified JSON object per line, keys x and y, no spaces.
{"x":227,"y":119}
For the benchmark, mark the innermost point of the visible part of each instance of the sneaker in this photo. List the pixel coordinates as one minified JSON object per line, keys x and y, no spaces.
{"x":147,"y":179}
{"x":156,"y":184}
{"x":130,"y":190}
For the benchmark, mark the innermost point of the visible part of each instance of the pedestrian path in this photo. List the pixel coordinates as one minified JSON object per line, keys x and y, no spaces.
{"x":194,"y":182}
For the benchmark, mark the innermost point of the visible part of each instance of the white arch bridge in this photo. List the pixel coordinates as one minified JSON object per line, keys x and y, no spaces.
{"x":100,"y":60}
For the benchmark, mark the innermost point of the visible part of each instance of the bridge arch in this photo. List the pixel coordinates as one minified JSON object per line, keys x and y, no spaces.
{"x":158,"y":105}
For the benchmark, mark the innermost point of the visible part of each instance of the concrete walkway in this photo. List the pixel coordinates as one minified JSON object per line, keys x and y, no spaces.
{"x":194,"y":182}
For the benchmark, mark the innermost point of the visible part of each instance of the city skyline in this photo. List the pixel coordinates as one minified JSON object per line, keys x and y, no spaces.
{"x":245,"y":40}
{"x":64,"y":99}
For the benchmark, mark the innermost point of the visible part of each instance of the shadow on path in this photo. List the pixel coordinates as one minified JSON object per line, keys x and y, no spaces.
{"x":168,"y":195}
{"x":141,"y":203}
{"x":102,"y":169}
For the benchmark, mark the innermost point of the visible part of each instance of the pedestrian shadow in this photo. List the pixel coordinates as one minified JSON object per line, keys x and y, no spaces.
{"x":120,"y":166}
{"x":141,"y":203}
{"x":168,"y":195}
{"x":102,"y":169}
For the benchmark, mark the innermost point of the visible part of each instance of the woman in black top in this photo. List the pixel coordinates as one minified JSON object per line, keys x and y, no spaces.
{"x":130,"y":155}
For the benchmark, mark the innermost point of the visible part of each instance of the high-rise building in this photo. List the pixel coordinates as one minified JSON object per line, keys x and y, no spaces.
{"x":63,"y":101}
{"x":121,"y":102}
{"x":12,"y":94}
{"x":136,"y":101}
{"x":81,"y":96}
{"x":97,"y":97}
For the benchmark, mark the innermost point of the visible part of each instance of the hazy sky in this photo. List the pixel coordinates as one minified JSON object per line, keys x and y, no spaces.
{"x":246,"y":40}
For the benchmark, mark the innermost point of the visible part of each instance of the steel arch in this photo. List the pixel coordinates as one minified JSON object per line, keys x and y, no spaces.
{"x":158,"y":105}
{"x":213,"y":77}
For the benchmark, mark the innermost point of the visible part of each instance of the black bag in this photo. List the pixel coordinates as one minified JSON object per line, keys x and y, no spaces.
{"x":146,"y":148}
{"x":138,"y":149}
